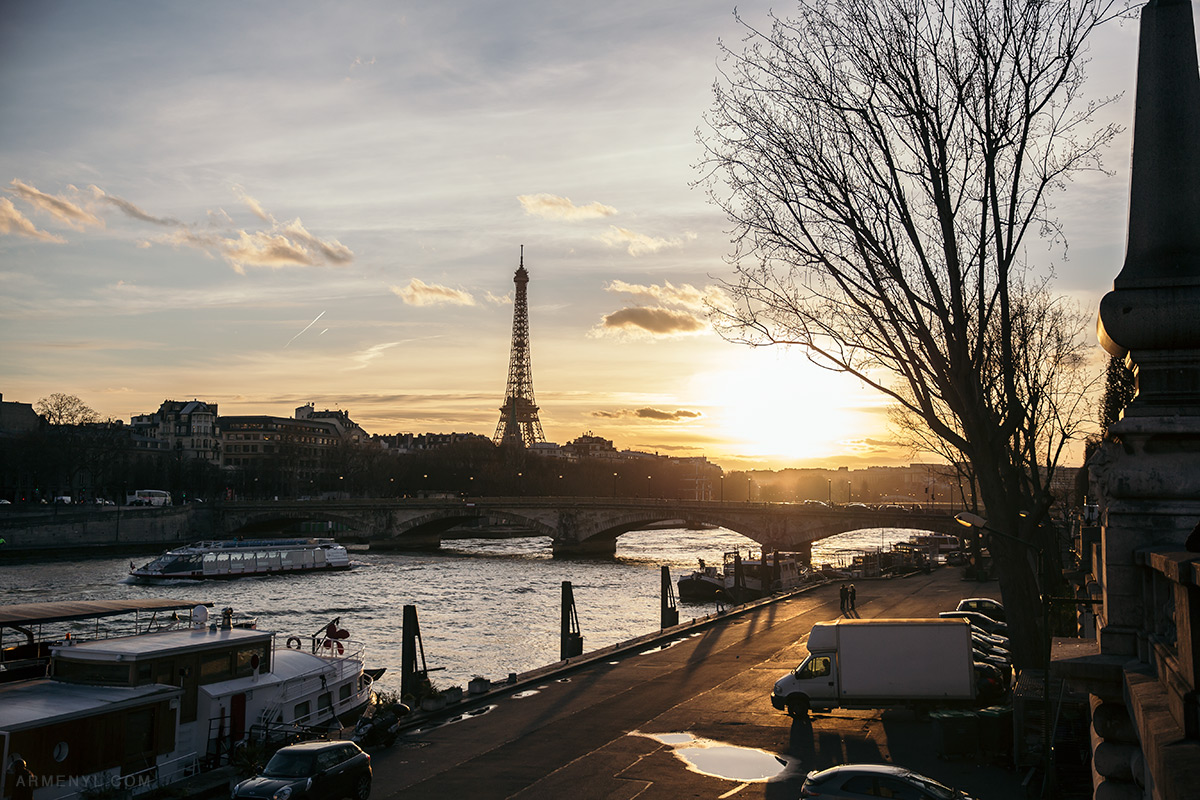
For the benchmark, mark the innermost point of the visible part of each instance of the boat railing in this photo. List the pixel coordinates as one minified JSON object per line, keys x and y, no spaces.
{"x":135,"y":783}
{"x":348,"y":664}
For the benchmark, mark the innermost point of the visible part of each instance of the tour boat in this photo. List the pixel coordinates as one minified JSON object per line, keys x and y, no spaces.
{"x":145,"y":710}
{"x":236,"y":558}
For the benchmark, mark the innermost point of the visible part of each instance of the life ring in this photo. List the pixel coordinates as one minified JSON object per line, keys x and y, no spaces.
{"x":293,"y":643}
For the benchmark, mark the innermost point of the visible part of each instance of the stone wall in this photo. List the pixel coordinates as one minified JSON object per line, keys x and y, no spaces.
{"x":26,"y":533}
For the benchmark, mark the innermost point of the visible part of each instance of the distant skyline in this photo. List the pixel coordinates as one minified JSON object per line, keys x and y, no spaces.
{"x":270,"y":204}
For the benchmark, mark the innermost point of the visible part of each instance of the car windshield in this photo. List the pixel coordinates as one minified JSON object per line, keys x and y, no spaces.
{"x":935,"y":789}
{"x":289,"y":765}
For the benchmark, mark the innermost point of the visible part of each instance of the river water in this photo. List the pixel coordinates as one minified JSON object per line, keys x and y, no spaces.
{"x":485,"y":607}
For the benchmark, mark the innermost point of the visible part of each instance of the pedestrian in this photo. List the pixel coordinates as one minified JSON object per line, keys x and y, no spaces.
{"x":23,"y":780}
{"x":850,"y":596}
{"x":845,"y":595}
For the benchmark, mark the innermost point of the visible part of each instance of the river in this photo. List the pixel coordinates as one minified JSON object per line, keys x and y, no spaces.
{"x":485,"y":607}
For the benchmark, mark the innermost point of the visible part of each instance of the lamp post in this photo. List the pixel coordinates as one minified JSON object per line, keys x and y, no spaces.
{"x":748,"y":481}
{"x":829,"y":493}
{"x":722,"y":488}
{"x":647,"y":487}
{"x":979,"y":523}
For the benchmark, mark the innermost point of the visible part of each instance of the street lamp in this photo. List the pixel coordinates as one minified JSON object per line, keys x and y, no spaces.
{"x":979,"y":523}
{"x":614,"y":485}
{"x":647,"y":487}
{"x":722,"y":488}
{"x":748,"y":481}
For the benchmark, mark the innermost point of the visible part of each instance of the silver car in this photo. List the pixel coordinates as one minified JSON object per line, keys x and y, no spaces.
{"x":865,"y":781}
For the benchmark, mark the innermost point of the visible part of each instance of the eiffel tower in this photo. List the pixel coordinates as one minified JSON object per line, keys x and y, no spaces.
{"x":518,"y":416}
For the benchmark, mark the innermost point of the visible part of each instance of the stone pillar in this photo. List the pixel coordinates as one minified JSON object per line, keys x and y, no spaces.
{"x":1148,"y":472}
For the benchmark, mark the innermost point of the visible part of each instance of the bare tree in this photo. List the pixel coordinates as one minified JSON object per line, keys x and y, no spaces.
{"x":883,"y":162}
{"x":65,"y":409}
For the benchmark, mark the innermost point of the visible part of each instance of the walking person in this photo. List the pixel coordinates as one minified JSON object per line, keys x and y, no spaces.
{"x":845,"y":595}
{"x":850,"y":596}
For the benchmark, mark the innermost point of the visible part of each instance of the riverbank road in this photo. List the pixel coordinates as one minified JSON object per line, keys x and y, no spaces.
{"x":690,"y":717}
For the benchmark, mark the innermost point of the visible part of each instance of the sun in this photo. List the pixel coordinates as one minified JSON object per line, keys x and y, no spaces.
{"x":777,"y":406}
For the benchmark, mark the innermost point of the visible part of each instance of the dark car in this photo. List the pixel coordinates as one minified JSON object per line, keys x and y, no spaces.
{"x":854,"y":781}
{"x":983,"y":605}
{"x":978,"y":620}
{"x":317,"y":770}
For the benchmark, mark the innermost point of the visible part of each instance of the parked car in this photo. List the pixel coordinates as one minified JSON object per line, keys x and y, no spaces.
{"x":979,"y":620}
{"x":864,"y":781}
{"x":993,"y":609}
{"x":989,"y":684}
{"x":325,"y":770}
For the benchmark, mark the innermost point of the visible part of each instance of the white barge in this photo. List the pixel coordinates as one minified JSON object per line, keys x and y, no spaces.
{"x":236,"y":558}
{"x":128,"y":714}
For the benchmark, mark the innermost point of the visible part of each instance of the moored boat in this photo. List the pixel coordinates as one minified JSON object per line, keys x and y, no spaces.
{"x":134,"y":712}
{"x":706,"y":583}
{"x":236,"y":558}
{"x":741,"y":578}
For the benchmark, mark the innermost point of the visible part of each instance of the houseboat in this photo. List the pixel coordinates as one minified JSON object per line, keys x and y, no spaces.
{"x":146,"y":710}
{"x":237,"y":558}
{"x":741,"y":578}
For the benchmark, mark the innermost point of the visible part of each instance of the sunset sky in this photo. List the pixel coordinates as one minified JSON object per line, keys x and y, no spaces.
{"x":267,"y":204}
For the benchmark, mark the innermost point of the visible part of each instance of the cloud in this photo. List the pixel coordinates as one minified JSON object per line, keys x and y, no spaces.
{"x":291,"y":246}
{"x":686,"y":295}
{"x":550,"y":206}
{"x":638,"y":244}
{"x":649,"y":413}
{"x":253,"y":205}
{"x":332,"y":251}
{"x":58,"y":207}
{"x":15,"y":223}
{"x":365,"y":357}
{"x":130,"y":209}
{"x":419,"y":293}
{"x":658,"y":321}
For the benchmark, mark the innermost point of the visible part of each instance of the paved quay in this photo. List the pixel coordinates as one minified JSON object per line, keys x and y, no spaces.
{"x":590,"y":732}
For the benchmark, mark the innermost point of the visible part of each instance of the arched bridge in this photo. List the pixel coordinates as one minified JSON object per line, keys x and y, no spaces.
{"x":575,"y":525}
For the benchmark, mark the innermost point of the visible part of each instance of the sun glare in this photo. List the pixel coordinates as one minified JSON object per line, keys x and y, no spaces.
{"x":782,"y":407}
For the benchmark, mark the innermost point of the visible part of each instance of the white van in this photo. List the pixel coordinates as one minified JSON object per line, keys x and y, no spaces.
{"x":149,"y":497}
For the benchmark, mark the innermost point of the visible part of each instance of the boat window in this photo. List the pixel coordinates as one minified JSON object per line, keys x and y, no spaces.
{"x":215,"y":667}
{"x":145,"y":674}
{"x":244,"y":661}
{"x":300,"y":711}
{"x":92,"y":672}
{"x":324,"y":701}
{"x":344,"y":692}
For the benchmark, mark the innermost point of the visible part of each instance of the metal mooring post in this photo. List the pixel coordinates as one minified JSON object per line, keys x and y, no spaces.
{"x":669,"y":612}
{"x":411,"y":678}
{"x":570,"y":640}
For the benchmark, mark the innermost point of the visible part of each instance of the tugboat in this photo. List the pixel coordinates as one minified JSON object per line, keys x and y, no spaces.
{"x":703,"y":584}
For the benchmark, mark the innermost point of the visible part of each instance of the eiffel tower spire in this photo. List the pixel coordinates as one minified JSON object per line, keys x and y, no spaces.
{"x":518,"y":416}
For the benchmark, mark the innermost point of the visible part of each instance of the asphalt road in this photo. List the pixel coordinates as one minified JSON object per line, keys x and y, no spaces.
{"x":590,"y":733}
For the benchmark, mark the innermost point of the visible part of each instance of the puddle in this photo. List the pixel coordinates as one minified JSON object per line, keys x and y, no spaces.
{"x":526,"y":693}
{"x":475,"y":712}
{"x":719,"y":760}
